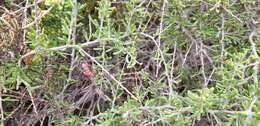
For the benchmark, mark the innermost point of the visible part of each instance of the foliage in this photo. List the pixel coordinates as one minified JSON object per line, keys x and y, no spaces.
{"x":168,"y":62}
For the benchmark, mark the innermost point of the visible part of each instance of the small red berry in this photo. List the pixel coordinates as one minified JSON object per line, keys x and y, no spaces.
{"x":88,"y":73}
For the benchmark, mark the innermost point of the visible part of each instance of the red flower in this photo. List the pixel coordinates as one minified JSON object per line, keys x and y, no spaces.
{"x":86,"y":70}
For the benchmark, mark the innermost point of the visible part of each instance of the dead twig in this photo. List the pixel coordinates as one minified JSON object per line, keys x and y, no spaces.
{"x":254,"y":51}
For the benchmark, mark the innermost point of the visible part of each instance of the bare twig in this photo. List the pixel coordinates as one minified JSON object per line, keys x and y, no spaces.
{"x":36,"y":20}
{"x":72,"y":36}
{"x":202,"y":64}
{"x":254,"y":51}
{"x":1,"y":107}
{"x":26,"y":5}
{"x":191,"y":45}
{"x":186,"y":54}
{"x":229,"y":12}
{"x":172,"y":63}
{"x":209,"y":78}
{"x":20,"y":80}
{"x":222,"y":39}
{"x":159,"y":39}
{"x":37,"y":51}
{"x":249,"y":110}
{"x":230,"y":112}
{"x":159,"y":48}
{"x":25,"y":22}
{"x":90,"y":119}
